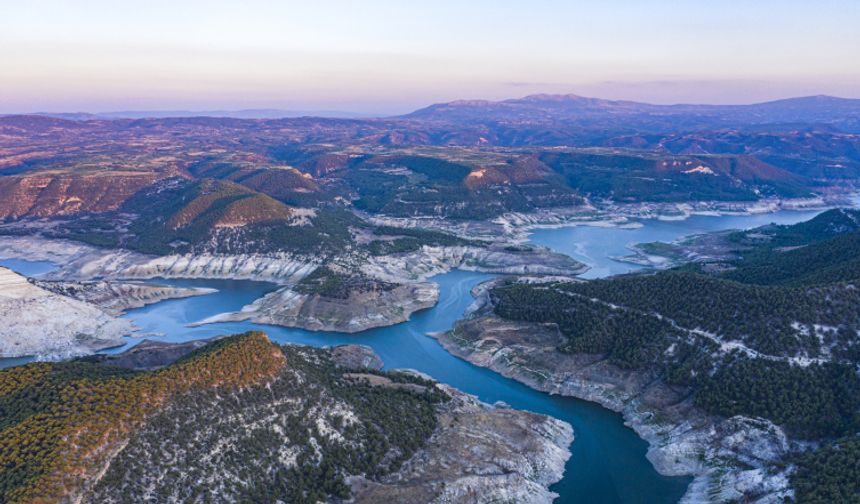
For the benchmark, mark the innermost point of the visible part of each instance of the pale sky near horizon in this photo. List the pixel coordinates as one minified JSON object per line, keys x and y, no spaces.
{"x":387,"y":56}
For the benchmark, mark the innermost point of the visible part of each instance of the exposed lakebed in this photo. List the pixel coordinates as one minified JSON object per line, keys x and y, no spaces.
{"x":608,"y":462}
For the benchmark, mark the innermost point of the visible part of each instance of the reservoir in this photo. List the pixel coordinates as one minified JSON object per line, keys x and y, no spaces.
{"x":608,"y":463}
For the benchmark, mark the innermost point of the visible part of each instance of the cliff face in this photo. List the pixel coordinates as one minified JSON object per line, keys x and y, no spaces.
{"x":84,"y":262}
{"x":35,"y":321}
{"x":62,"y":195}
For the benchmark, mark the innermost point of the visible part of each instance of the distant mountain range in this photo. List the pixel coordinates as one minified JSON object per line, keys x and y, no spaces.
{"x":544,"y":108}
{"x":550,"y":108}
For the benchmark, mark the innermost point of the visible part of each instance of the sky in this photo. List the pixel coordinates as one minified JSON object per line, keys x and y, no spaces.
{"x":387,"y":57}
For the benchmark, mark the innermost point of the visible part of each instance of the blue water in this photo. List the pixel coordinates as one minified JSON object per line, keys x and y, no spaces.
{"x":608,"y":463}
{"x":28,"y":268}
{"x":596,"y":245}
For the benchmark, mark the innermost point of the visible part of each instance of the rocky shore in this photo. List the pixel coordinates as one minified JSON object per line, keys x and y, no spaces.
{"x":730,"y":458}
{"x":515,"y":226}
{"x":508,"y":259}
{"x":101,"y":277}
{"x":479,"y":454}
{"x":78,"y":261}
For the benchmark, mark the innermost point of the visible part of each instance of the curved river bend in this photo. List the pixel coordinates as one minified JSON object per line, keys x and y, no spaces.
{"x":608,"y":463}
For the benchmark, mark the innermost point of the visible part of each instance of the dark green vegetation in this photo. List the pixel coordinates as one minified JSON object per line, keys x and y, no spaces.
{"x":293,"y":440}
{"x":238,"y":419}
{"x":829,"y":475}
{"x":634,"y":178}
{"x":61,"y":422}
{"x":763,"y":318}
{"x":410,"y":185}
{"x":823,"y":250}
{"x":326,"y":282}
{"x":673,"y":323}
{"x":818,"y":401}
{"x":771,"y":331}
{"x":412,"y":239}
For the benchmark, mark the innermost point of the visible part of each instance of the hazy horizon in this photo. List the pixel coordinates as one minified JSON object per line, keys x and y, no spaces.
{"x":344,"y":114}
{"x":386,"y":57}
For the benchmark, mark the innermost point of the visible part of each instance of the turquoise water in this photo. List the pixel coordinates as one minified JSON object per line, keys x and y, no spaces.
{"x":608,"y":463}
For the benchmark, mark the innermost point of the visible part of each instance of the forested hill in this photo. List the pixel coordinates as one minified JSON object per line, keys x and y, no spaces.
{"x":297,"y":426}
{"x":823,"y":250}
{"x":773,"y":334}
{"x":61,"y":423}
{"x":239,"y":419}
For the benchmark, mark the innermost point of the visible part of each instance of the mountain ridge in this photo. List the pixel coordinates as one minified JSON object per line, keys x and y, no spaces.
{"x":804,"y":108}
{"x":621,"y":104}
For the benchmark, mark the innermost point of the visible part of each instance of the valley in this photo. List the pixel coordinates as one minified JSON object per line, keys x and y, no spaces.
{"x":663,"y":286}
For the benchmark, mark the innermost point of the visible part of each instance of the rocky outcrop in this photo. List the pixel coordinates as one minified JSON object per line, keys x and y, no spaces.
{"x":359,"y":311}
{"x":35,"y":321}
{"x":115,"y":298}
{"x":730,"y":458}
{"x":478,"y":454}
{"x":83,"y":262}
{"x":356,"y":357}
{"x":496,"y":258}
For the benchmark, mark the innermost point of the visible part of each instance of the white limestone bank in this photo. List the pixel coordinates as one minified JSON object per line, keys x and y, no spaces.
{"x":360,"y":311}
{"x":515,"y":226}
{"x":83,"y":262}
{"x":80,"y":265}
{"x":496,"y":258}
{"x":35,"y":321}
{"x":115,"y":298}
